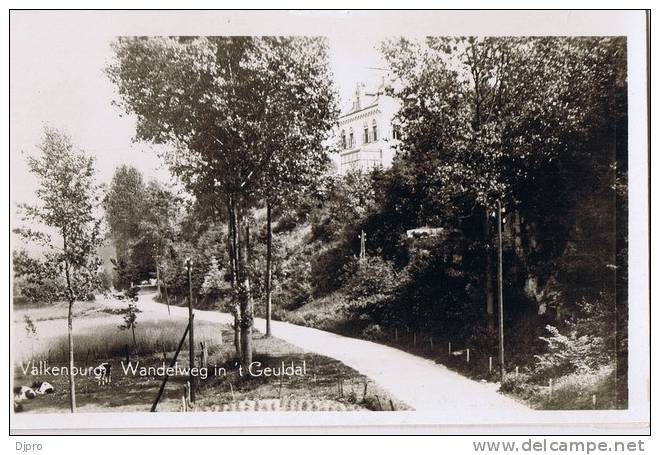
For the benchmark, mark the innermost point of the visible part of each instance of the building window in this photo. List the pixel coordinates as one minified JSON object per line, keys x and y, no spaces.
{"x":343,"y":139}
{"x":395,"y":132}
{"x":374,"y":127}
{"x":351,"y":140}
{"x":366,"y":133}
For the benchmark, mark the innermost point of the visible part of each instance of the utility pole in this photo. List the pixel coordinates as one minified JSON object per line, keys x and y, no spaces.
{"x":499,"y":285}
{"x":191,"y":337}
{"x":269,"y":269}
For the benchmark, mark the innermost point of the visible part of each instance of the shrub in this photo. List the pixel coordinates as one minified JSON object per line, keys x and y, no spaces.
{"x":369,"y":287}
{"x":325,"y":313}
{"x":516,"y":384}
{"x":105,"y":280}
{"x":292,"y":281}
{"x":369,"y":309}
{"x":373,"y":332}
{"x":431,"y":298}
{"x":287,"y":222}
{"x":295,"y":294}
{"x":367,"y":277}
{"x":482,"y":338}
{"x":327,"y":267}
{"x":569,"y":354}
{"x":576,"y":391}
{"x":214,"y":280}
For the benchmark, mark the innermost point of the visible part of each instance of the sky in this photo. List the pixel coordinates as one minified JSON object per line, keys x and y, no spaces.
{"x":57,"y":79}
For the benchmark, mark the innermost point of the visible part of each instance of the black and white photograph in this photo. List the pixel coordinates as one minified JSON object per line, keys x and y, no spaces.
{"x":329,"y":219}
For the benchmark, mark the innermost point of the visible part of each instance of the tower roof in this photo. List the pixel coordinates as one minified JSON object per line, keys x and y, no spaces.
{"x":364,"y":97}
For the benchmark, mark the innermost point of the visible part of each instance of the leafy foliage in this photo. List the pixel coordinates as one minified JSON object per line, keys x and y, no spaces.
{"x":124,"y":205}
{"x":585,"y":345}
{"x":215,"y":282}
{"x":538,"y":124}
{"x":142,"y":220}
{"x":245,"y":119}
{"x":68,"y":200}
{"x":131,"y":311}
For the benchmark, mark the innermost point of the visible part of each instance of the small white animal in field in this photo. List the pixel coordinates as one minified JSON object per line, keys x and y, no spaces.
{"x":103,"y":373}
{"x":23,"y":392}
{"x":42,"y":388}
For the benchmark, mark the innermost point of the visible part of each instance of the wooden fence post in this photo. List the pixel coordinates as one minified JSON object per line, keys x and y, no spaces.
{"x":186,"y":388}
{"x":281,"y":384}
{"x":205,"y":355}
{"x":550,"y":388}
{"x":490,"y":364}
{"x":467,"y":355}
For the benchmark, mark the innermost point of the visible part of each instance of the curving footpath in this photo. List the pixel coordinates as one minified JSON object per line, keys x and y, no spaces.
{"x":421,"y":383}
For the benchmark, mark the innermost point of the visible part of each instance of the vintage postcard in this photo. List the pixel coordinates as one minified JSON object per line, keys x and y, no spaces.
{"x":329,"y":221}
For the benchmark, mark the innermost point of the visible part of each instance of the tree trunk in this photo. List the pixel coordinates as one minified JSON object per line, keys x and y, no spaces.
{"x":232,"y":242}
{"x":237,"y":330}
{"x":134,"y":342}
{"x":246,"y":316}
{"x":488,"y":276}
{"x":191,"y":334}
{"x":269,"y":270}
{"x":72,"y":381}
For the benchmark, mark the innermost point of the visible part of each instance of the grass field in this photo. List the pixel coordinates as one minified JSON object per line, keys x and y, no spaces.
{"x":328,"y":384}
{"x":59,"y":310}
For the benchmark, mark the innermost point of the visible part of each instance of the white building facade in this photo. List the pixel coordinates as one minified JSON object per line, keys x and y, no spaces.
{"x":365,"y":135}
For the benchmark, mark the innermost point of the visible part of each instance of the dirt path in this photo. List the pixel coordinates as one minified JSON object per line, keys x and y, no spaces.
{"x":421,"y":383}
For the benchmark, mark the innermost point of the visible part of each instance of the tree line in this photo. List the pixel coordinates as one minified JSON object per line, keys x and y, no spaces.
{"x":538,"y":125}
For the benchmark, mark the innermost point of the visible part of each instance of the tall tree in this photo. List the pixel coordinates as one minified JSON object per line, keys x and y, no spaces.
{"x":68,"y":202}
{"x":217,"y":101}
{"x":123,"y":205}
{"x":294,"y":130}
{"x":512,"y":119}
{"x":157,"y":227}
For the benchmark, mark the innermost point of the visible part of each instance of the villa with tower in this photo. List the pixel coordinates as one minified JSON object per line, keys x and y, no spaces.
{"x":365,"y":135}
